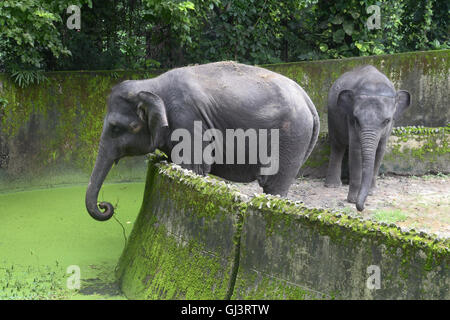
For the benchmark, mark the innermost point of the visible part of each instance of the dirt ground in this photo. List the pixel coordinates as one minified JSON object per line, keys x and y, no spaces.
{"x":420,"y":203}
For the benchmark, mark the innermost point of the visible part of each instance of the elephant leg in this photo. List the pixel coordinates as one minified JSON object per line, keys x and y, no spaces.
{"x":378,"y":159}
{"x":355,"y":167}
{"x":276,"y":185}
{"x":333,"y":179}
{"x":279,"y":183}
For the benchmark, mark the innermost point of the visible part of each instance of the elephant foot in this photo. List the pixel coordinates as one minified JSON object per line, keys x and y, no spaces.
{"x":351,"y":197}
{"x":332,"y":183}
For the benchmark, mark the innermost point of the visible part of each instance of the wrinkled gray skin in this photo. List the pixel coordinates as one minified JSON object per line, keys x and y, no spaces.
{"x":362,"y":108}
{"x":142,"y":114}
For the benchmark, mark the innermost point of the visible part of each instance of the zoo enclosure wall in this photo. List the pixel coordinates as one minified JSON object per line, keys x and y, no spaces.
{"x":199,"y":238}
{"x":49,"y":132}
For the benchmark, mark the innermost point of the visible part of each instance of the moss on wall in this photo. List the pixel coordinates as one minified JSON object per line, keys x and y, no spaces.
{"x":327,"y":253}
{"x":182,"y":247}
{"x":53,"y":128}
{"x":268,"y":247}
{"x":424,"y":74}
{"x":418,"y":150}
{"x":61,"y":119}
{"x":413,"y":150}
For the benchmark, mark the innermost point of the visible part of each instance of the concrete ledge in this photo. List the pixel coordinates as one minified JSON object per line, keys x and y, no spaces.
{"x":183,"y":242}
{"x":289,"y":251}
{"x":198,"y":238}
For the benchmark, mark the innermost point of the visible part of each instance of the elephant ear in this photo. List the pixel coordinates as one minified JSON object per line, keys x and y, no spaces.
{"x":402,"y":102}
{"x":151,"y":109}
{"x":346,"y":101}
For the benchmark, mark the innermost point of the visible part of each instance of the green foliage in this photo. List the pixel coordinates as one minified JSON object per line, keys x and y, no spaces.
{"x":341,"y":28}
{"x":144,"y":34}
{"x":170,"y":27}
{"x":271,"y":31}
{"x":255,"y":31}
{"x":419,"y":130}
{"x":26,"y":77}
{"x":3,"y":102}
{"x":28,"y":33}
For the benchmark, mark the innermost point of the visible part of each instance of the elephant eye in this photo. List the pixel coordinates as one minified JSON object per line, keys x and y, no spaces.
{"x":116,"y":130}
{"x":386,"y":121}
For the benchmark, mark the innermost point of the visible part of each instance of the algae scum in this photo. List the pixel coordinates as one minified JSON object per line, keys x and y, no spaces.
{"x":47,"y":235}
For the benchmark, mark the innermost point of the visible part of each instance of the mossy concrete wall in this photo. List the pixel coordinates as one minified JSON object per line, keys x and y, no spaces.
{"x":49,"y":132}
{"x":198,"y":238}
{"x":426,"y":75}
{"x":410,"y":151}
{"x":183,"y":243}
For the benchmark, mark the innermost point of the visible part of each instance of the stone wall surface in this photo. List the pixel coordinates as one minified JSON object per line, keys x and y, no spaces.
{"x":182,"y":246}
{"x":426,"y":75}
{"x":198,"y":238}
{"x":49,"y":132}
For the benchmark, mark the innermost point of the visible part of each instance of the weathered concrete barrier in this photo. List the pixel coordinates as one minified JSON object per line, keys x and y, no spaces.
{"x":183,"y":245}
{"x":292,"y":252}
{"x":49,"y":132}
{"x":426,"y":75}
{"x":52,"y":129}
{"x":410,"y":151}
{"x":198,"y":238}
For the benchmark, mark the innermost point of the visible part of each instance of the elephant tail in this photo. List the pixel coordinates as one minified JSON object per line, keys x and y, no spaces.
{"x":316,"y":128}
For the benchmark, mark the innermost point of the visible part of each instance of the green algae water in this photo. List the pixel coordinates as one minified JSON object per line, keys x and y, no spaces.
{"x":45,"y":234}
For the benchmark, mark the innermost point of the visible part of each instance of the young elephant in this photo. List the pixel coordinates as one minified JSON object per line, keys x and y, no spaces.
{"x":362,"y":108}
{"x":231,"y":100}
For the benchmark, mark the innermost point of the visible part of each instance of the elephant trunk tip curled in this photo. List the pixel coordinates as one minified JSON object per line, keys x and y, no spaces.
{"x":109,"y":209}
{"x":361,"y":199}
{"x":93,"y":209}
{"x":99,"y":215}
{"x":360,"y":205}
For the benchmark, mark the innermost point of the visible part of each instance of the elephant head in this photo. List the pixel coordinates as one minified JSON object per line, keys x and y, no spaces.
{"x":133,"y":125}
{"x":371,"y":116}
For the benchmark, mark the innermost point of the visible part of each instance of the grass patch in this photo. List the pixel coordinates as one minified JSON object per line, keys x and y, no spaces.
{"x":390,"y":216}
{"x":347,"y":210}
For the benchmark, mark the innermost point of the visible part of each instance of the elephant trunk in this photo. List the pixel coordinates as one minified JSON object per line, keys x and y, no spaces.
{"x":102,"y":166}
{"x":369,"y":144}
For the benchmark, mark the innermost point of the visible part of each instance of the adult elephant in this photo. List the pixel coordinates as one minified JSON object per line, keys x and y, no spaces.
{"x":362,"y":108}
{"x":142,"y":116}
